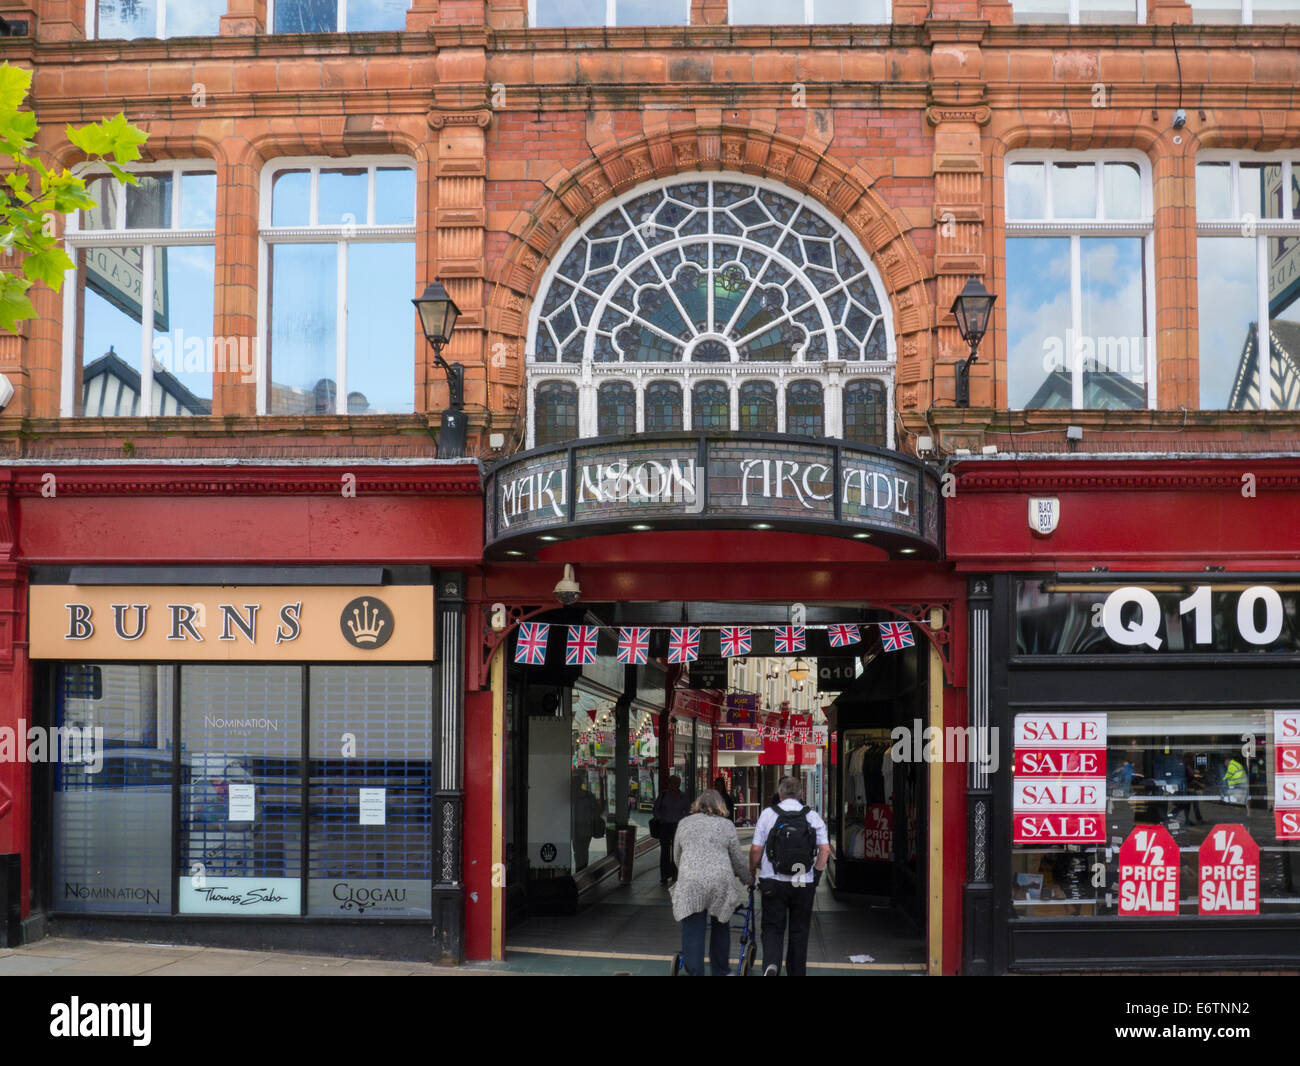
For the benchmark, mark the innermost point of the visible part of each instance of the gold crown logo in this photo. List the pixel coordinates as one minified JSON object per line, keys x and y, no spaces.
{"x":365,"y":625}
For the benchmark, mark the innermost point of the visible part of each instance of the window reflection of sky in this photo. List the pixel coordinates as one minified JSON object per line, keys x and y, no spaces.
{"x":1039,"y":315}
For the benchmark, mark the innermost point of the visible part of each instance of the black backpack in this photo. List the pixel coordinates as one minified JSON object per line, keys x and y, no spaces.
{"x":792,"y":843}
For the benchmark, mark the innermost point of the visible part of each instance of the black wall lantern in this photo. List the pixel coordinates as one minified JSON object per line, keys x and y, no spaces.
{"x":971,"y":308}
{"x":438,"y":314}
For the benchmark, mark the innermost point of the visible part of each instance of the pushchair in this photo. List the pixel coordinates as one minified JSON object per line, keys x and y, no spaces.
{"x":743,"y":920}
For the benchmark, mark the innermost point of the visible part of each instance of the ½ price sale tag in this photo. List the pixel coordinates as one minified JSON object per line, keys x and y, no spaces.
{"x":1229,"y":866}
{"x":1148,"y":873}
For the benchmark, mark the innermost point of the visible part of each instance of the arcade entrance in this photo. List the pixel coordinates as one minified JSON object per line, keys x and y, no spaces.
{"x":592,"y":742}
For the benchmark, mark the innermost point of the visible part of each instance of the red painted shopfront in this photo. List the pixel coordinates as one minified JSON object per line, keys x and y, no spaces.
{"x":1158,"y":598}
{"x":286,"y":660}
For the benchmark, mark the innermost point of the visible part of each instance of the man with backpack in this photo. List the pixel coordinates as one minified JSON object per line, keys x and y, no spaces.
{"x":790,"y":851}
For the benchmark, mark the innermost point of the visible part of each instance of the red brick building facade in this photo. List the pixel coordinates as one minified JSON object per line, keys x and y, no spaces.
{"x":901,"y":133}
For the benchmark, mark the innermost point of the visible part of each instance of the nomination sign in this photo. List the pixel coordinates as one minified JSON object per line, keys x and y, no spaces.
{"x":696,"y":481}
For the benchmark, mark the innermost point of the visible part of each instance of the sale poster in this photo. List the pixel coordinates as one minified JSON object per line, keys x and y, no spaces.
{"x":878,"y":836}
{"x":1059,"y":779}
{"x":1228,"y":862}
{"x":1286,"y":778}
{"x":1148,"y":873}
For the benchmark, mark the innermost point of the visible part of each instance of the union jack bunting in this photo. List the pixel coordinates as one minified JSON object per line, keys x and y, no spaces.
{"x":790,"y":639}
{"x":530,"y":648}
{"x":581,"y":648}
{"x":735,"y":641}
{"x":842,"y":636}
{"x":633,"y":645}
{"x":896,"y":635}
{"x":684,"y":645}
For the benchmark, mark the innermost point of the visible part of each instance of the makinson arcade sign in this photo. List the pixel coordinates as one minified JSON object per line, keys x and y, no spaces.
{"x":698,"y":481}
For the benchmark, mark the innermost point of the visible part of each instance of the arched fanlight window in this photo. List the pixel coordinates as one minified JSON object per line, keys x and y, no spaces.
{"x":728,"y":279}
{"x":616,"y":409}
{"x":663,"y":407}
{"x":758,"y":407}
{"x":713,"y":270}
{"x":865,"y":412}
{"x":805,"y":414}
{"x":555,"y":412}
{"x":710,"y":406}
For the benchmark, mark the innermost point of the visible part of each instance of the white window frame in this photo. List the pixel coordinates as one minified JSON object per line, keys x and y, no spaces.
{"x":92,"y":20}
{"x":1076,"y":228}
{"x":1072,"y":16}
{"x":831,"y":374}
{"x":611,"y":16}
{"x":1247,"y":17}
{"x":808,"y":17}
{"x":342,"y":20}
{"x":340,"y":235}
{"x":1264,"y":228}
{"x":75,"y":239}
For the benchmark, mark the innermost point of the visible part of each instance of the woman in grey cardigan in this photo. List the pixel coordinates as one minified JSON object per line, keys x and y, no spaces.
{"x":709,"y":860}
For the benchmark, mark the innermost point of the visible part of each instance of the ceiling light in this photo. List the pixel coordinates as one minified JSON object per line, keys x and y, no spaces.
{"x":799,"y":671}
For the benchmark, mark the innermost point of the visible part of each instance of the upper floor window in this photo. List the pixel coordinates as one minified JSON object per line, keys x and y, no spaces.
{"x":741,"y":286}
{"x":804,"y":413}
{"x":543,"y":13}
{"x":1079,"y":283}
{"x":114,"y":19}
{"x":758,"y":407}
{"x":338,"y":274}
{"x":710,"y":406}
{"x":663,"y":407}
{"x":556,"y":412}
{"x":1248,"y":272}
{"x":1246,"y":12}
{"x":1080,"y":12}
{"x":808,"y":12}
{"x":156,"y":238}
{"x":336,"y":16}
{"x":865,"y":410}
{"x":616,"y":409}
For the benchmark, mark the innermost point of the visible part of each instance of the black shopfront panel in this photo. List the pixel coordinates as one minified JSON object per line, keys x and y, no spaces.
{"x":1189,"y":747}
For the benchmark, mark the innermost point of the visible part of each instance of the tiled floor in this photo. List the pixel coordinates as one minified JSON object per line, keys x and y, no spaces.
{"x":630,"y":929}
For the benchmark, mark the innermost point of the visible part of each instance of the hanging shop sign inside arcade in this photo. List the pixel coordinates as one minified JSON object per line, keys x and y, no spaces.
{"x":689,"y":480}
{"x":158,"y":623}
{"x":1060,"y":618}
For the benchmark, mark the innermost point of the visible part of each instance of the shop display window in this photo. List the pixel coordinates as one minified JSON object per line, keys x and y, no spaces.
{"x":1188,"y":771}
{"x":867,"y":802}
{"x":241,"y":802}
{"x":215,"y":824}
{"x":112,"y":824}
{"x":370,"y":795}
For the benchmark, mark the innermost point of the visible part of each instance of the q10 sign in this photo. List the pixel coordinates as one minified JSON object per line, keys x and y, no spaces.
{"x":1059,"y":783}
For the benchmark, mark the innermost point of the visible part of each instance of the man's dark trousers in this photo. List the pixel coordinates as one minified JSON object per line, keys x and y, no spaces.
{"x":784,"y":903}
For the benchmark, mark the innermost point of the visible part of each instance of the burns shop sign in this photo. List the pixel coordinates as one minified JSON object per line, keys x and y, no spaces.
{"x":695,"y":481}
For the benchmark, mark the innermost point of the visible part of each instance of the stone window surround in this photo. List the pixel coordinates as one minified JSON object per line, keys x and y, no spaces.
{"x":76,"y":239}
{"x":1076,"y":228}
{"x":315,"y":233}
{"x":1261,"y":229}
